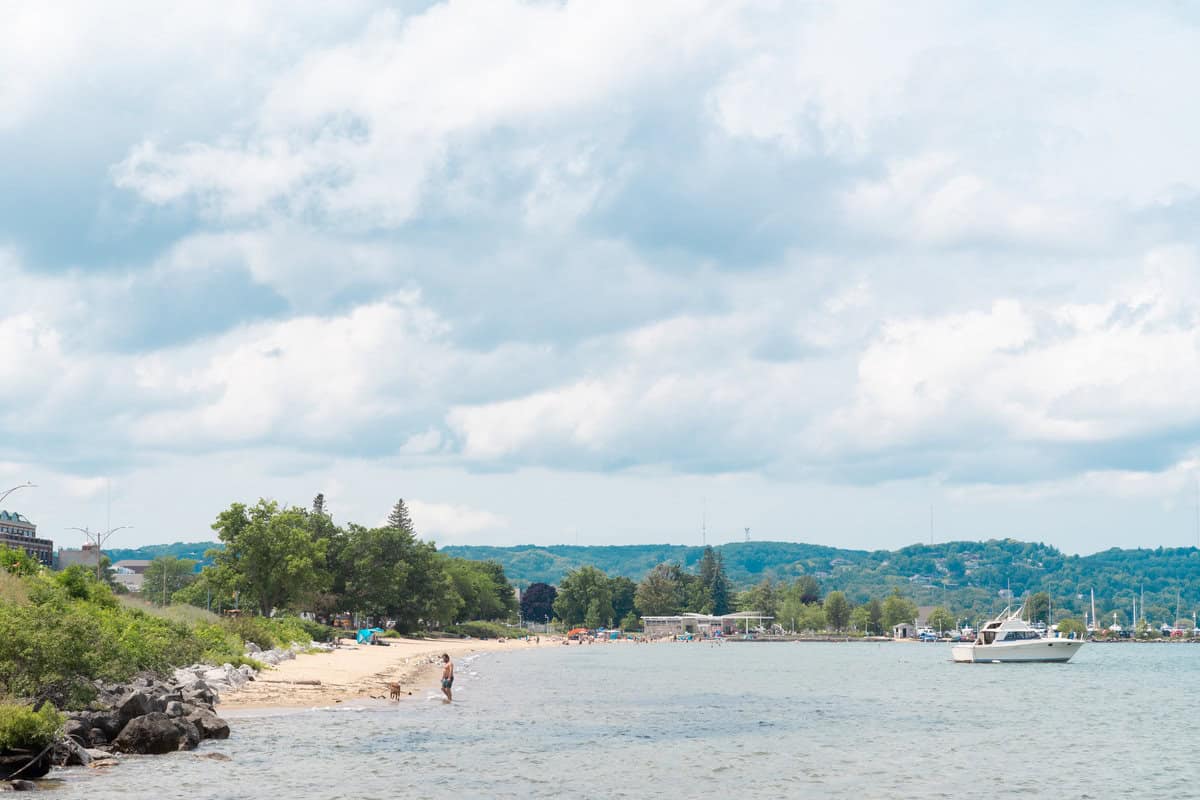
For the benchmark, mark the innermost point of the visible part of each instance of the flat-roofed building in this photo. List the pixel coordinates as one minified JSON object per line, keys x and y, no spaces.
{"x":704,"y":624}
{"x":17,"y":532}
{"x":86,"y":556}
{"x":131,"y":573}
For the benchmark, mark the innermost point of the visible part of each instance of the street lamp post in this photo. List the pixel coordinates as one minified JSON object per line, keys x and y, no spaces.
{"x":98,"y":538}
{"x":7,"y":492}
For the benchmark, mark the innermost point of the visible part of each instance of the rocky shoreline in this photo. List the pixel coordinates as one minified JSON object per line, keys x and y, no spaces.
{"x":146,"y":716}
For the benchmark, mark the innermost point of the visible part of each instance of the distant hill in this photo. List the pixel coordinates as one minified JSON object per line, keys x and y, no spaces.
{"x":965,"y":575}
{"x":192,"y":550}
{"x":745,"y":562}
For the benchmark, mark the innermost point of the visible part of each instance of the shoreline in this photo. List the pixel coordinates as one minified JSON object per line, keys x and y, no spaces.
{"x":354,"y":671}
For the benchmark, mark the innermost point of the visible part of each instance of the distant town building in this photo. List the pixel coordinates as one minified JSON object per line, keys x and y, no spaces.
{"x":904,"y":630}
{"x":130,"y":573}
{"x":704,"y":624}
{"x":86,"y":556}
{"x":19,"y":533}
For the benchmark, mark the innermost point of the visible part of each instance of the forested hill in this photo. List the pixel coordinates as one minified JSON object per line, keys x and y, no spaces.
{"x":967,"y":573}
{"x":192,"y":550}
{"x":745,"y":562}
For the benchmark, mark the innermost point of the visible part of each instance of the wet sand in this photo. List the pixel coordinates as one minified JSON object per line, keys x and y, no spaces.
{"x":356,"y":672}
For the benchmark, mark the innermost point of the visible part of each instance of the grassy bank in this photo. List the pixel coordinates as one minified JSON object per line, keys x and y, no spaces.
{"x":61,"y":631}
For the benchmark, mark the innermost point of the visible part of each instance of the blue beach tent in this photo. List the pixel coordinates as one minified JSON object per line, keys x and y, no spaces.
{"x":365,"y":635}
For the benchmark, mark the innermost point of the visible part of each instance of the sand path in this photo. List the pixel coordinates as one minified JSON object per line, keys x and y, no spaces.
{"x":353,"y":671}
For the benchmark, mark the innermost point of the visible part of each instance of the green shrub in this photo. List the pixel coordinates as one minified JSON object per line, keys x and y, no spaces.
{"x":22,"y":727}
{"x":480,"y":629}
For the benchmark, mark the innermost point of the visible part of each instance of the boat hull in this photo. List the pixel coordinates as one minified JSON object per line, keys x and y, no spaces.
{"x":1029,"y":651}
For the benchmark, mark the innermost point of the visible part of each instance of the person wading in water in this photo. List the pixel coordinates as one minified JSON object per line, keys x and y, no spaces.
{"x":447,"y":676}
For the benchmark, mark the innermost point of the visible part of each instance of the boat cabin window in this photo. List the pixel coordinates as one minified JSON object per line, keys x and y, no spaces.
{"x":989,"y":637}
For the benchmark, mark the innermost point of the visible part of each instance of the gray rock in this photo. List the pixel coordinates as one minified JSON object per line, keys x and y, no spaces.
{"x":252,"y":648}
{"x":78,"y":730}
{"x":97,"y":736}
{"x":209,"y":724}
{"x":153,"y":733}
{"x":99,"y":755}
{"x":133,"y":704}
{"x":23,"y":786}
{"x":191,"y":734}
{"x":108,"y":722}
{"x":200,"y":694}
{"x":174,"y":709}
{"x":185,"y":677}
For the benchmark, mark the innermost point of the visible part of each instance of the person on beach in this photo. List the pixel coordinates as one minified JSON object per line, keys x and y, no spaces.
{"x":447,"y":676}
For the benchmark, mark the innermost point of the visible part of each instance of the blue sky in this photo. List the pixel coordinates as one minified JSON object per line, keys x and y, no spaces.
{"x":561,"y":271}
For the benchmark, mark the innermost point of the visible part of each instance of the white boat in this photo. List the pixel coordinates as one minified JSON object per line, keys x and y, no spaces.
{"x":1008,"y":639}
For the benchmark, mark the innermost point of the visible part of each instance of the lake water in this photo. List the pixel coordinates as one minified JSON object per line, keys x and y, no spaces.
{"x":744,"y":720}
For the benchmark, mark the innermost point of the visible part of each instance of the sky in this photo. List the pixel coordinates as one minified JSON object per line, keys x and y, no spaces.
{"x":604,"y":273}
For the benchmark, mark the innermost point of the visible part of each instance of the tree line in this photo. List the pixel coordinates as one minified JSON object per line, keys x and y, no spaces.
{"x":587,"y":596}
{"x":276,"y":559}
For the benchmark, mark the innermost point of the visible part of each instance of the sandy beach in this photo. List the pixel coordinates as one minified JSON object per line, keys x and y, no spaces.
{"x":354,"y":672}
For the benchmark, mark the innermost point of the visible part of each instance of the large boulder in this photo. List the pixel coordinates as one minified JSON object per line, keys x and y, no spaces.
{"x":108,"y":723}
{"x":185,"y":677}
{"x":153,"y":733}
{"x":209,"y":724}
{"x":134,"y":703}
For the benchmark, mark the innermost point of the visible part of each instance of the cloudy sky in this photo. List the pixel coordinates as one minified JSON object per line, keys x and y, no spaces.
{"x":594,"y":272}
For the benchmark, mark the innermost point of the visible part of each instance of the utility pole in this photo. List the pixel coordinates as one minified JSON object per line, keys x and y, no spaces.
{"x":99,"y":538}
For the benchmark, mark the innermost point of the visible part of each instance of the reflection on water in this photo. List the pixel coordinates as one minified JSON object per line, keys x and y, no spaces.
{"x":748,"y":720}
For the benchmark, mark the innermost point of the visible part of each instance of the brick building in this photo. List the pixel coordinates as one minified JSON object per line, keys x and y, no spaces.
{"x":18,"y":533}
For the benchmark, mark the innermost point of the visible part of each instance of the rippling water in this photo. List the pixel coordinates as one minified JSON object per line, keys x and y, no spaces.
{"x":749,"y":720}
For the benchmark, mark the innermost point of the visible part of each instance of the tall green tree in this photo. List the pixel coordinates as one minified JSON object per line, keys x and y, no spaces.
{"x":658,"y":594}
{"x":271,"y":556}
{"x":941,"y":620}
{"x":763,"y":597}
{"x":579,"y":590}
{"x":712,"y":576}
{"x":399,"y":518}
{"x":390,"y":574}
{"x":837,"y":610}
{"x":483,"y":588}
{"x":874,"y":617}
{"x":1038,"y":607}
{"x":165,"y":576}
{"x":623,"y":592}
{"x":896,"y":609}
{"x":809,"y":589}
{"x":860,"y":618}
{"x":537,"y":602}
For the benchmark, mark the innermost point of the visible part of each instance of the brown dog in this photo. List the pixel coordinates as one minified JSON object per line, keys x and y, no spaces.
{"x":394,"y":691}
